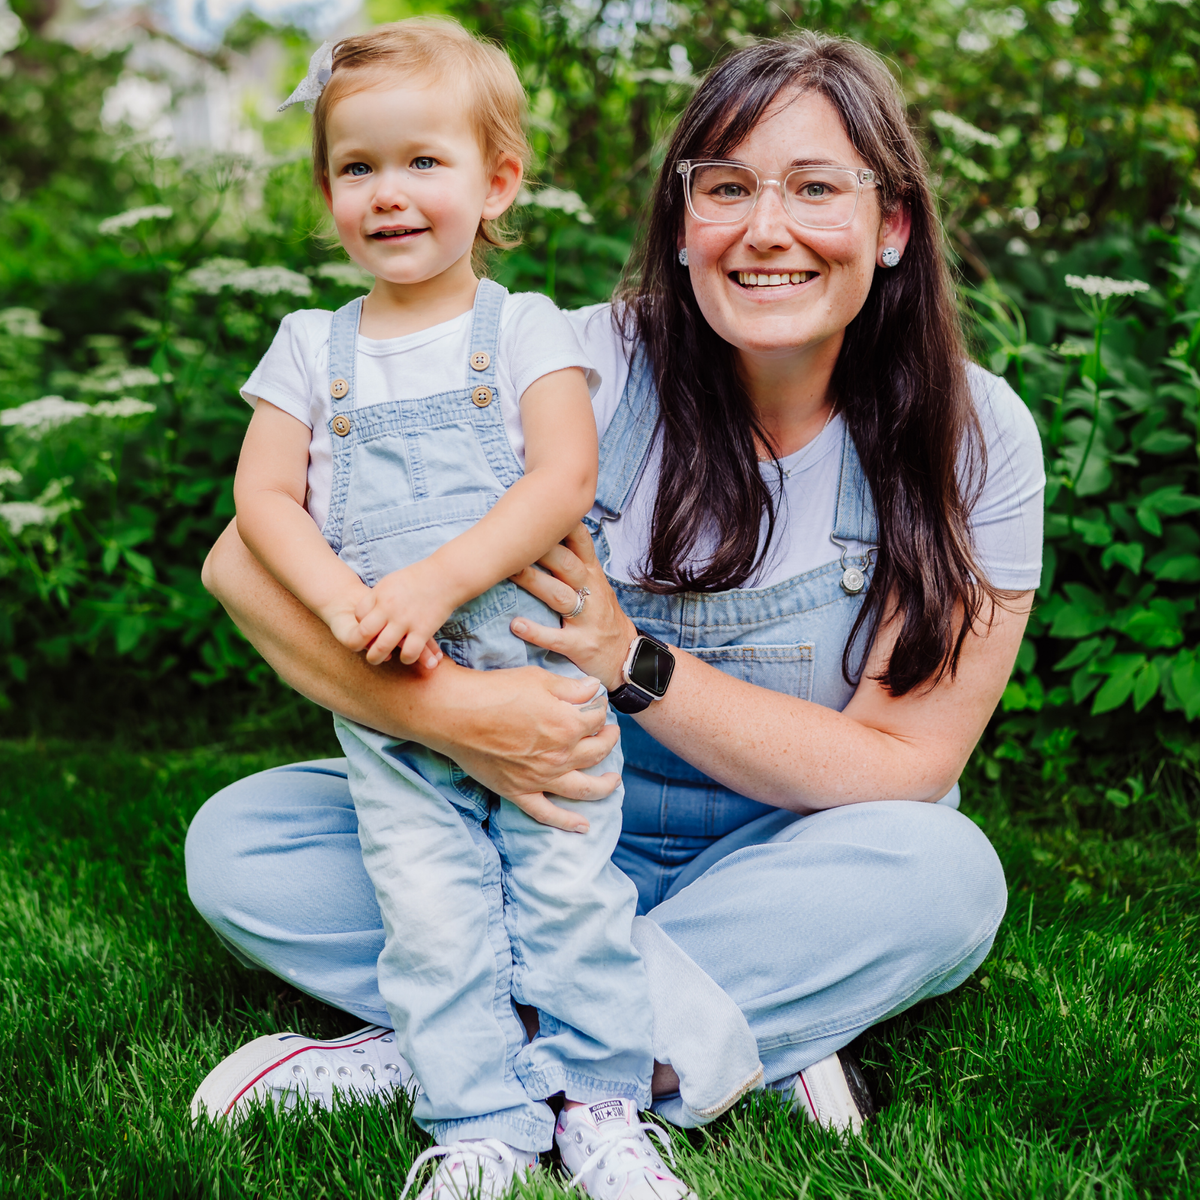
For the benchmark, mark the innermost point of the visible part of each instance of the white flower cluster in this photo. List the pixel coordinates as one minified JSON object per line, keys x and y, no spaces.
{"x":127,"y":406}
{"x":1102,"y":286}
{"x":45,"y":413}
{"x":135,"y":216}
{"x":25,"y":323}
{"x":554,"y":198}
{"x":51,"y":411}
{"x":988,"y":28}
{"x":19,"y":515}
{"x":120,"y":380}
{"x":1063,"y":11}
{"x":962,"y":131}
{"x":219,"y":273}
{"x":9,"y":475}
{"x":348,"y":274}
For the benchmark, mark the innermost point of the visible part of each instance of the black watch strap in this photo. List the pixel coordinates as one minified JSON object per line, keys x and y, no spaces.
{"x":629,"y":700}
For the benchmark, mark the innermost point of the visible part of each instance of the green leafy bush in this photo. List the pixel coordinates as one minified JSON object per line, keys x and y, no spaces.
{"x":1064,"y":142}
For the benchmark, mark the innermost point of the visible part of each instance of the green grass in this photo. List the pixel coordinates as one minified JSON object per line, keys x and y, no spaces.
{"x":1066,"y":1067}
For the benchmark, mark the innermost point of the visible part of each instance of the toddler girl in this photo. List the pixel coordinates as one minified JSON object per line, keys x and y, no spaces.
{"x":408,"y":454}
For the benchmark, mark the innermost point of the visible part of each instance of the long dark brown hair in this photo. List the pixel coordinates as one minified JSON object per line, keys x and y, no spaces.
{"x":899,"y":382}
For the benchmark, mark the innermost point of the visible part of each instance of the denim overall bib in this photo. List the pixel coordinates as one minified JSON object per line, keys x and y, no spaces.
{"x":788,"y":637}
{"x":481,"y":905}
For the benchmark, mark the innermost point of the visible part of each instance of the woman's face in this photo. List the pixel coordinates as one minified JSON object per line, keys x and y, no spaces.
{"x":790,"y":319}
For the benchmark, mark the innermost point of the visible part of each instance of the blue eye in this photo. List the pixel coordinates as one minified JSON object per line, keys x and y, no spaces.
{"x":424,"y":163}
{"x":358,"y":169}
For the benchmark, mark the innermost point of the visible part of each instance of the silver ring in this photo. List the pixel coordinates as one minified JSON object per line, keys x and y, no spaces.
{"x":583,"y":594}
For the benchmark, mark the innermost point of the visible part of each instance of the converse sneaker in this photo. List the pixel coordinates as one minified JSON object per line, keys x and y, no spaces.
{"x":606,"y":1149}
{"x":473,"y":1169}
{"x":284,"y":1068}
{"x":831,"y":1092}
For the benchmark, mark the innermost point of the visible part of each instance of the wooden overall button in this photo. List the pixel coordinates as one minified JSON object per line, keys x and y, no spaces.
{"x":482,"y":396}
{"x":341,"y":425}
{"x":338,"y":388}
{"x":481,"y":360}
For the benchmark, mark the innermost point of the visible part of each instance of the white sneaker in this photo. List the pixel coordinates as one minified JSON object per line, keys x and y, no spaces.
{"x":606,"y":1149}
{"x":831,"y":1092}
{"x":284,"y":1068}
{"x":473,"y":1169}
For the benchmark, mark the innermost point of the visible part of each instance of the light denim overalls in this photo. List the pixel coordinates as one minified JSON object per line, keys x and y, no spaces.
{"x":770,"y":940}
{"x":788,"y":637}
{"x":482,"y":906}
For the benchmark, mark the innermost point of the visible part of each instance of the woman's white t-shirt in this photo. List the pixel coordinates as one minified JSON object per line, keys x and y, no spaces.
{"x":535,"y":339}
{"x":1006,"y":520}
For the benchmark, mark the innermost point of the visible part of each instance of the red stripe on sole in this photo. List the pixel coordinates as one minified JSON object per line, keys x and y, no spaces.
{"x":286,"y":1058}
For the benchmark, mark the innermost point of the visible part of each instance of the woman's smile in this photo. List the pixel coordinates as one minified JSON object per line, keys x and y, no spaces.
{"x":777,"y":278}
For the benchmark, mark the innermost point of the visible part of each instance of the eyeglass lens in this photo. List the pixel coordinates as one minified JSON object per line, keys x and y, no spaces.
{"x":817,"y":197}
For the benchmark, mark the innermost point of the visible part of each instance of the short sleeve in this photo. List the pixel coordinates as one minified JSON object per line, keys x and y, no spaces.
{"x":537,"y":339}
{"x":1006,"y":520}
{"x":285,"y":375}
{"x":604,"y":342}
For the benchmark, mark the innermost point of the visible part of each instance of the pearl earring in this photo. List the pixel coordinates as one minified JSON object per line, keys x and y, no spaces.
{"x":683,"y":257}
{"x":890,"y":256}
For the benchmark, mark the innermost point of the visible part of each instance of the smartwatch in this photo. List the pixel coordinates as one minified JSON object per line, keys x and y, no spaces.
{"x":647,"y":672}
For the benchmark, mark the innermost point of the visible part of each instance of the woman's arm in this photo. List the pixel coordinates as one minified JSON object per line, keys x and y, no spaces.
{"x":520,"y":733}
{"x":776,"y":748}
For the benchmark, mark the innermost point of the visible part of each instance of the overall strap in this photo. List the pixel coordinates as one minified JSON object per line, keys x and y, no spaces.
{"x":485,"y":334}
{"x":343,"y":361}
{"x":626,"y":441}
{"x":481,"y":369}
{"x":854,"y":518}
{"x":343,"y":354}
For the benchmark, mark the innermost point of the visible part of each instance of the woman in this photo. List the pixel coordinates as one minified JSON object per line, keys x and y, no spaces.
{"x":825,"y":517}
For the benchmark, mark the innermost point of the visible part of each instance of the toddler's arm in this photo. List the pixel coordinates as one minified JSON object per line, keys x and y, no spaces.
{"x":559,"y":486}
{"x":268,"y":490}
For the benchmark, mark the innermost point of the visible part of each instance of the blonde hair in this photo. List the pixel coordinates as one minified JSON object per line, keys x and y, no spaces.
{"x":433,"y":49}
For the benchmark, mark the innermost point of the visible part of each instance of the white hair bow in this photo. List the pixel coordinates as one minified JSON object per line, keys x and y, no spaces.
{"x":320,"y":68}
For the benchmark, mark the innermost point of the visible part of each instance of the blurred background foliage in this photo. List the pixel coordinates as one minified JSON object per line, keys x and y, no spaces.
{"x":157,"y":219}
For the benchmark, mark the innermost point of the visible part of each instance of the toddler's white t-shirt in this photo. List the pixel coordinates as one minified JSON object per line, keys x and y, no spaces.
{"x":535,"y":339}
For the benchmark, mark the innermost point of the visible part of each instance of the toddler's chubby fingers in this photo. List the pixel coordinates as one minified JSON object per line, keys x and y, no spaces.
{"x":366,"y":602}
{"x":380,"y":650}
{"x":413,"y":645}
{"x":431,"y":655}
{"x":535,"y":805}
{"x":373,"y":622}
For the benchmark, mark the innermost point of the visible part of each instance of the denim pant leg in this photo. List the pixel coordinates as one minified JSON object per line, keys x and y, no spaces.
{"x":835,"y":921}
{"x":569,"y":913}
{"x":275,"y":867}
{"x":446,"y":967}
{"x":873,"y":908}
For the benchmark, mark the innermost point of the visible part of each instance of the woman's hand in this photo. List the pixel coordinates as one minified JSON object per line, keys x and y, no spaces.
{"x":598,"y":639}
{"x":522,"y":733}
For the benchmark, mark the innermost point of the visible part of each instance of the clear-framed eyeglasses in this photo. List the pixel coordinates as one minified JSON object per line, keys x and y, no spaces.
{"x":816,"y":197}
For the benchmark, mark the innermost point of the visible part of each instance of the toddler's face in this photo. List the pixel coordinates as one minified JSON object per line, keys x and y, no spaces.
{"x":408,"y":183}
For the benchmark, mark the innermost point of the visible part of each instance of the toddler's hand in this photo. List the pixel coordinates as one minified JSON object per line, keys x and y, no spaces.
{"x":402,"y":612}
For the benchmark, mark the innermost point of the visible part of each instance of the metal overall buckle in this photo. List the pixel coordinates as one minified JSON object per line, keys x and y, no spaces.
{"x":854,"y":579}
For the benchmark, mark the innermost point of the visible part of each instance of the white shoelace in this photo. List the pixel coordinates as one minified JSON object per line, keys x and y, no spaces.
{"x":628,"y":1138}
{"x":491,"y":1149}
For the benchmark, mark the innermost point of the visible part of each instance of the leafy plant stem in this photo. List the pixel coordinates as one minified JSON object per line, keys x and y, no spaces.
{"x":1097,"y":376}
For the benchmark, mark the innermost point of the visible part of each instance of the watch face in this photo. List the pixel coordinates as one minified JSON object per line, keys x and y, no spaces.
{"x":651,"y":668}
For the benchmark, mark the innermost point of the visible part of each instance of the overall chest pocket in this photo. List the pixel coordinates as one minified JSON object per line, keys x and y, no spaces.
{"x":787,"y":669}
